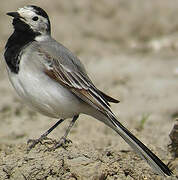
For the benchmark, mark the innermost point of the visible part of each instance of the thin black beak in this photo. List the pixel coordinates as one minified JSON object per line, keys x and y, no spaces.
{"x":14,"y":14}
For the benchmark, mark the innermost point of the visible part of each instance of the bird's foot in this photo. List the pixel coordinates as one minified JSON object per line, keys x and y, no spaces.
{"x":33,"y":142}
{"x":63,"y":142}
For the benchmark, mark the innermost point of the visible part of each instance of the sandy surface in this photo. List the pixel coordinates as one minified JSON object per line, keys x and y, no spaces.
{"x":130,"y":50}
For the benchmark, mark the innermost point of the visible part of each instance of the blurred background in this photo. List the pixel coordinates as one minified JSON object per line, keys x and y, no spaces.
{"x":130,"y":51}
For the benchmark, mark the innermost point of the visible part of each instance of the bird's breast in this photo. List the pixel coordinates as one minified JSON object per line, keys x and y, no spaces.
{"x":42,"y":93}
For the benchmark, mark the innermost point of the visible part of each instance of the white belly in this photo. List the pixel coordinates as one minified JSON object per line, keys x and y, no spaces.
{"x":45,"y":95}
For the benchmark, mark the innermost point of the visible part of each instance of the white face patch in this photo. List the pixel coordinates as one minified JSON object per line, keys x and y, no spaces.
{"x":28,"y":12}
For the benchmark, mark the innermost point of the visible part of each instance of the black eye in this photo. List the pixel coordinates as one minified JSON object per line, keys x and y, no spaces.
{"x":35,"y":18}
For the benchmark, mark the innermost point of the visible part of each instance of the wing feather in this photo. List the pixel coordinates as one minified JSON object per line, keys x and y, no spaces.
{"x":77,"y":81}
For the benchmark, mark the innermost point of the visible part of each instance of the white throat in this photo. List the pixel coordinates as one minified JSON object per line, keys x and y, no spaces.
{"x":41,"y":38}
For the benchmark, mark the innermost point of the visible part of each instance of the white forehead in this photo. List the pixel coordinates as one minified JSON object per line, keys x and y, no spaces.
{"x":26,"y":11}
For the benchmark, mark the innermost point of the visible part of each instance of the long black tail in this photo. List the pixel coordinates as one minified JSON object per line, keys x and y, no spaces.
{"x":138,"y":146}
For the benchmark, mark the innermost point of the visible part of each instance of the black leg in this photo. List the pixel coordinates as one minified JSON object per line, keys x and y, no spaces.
{"x":34,"y":142}
{"x":70,"y":126}
{"x":63,"y":139}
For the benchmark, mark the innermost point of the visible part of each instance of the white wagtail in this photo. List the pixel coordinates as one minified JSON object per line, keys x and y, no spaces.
{"x":53,"y":81}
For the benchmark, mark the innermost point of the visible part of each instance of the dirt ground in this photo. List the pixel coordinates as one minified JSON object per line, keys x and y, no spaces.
{"x":130,"y":50}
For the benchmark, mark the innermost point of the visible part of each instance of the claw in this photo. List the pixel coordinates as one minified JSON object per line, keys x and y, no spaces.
{"x":63,"y":142}
{"x":32,"y":143}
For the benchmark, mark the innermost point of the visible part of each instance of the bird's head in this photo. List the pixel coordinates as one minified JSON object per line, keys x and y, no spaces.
{"x":31,"y":18}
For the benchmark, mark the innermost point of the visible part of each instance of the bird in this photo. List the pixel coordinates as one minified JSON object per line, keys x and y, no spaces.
{"x":53,"y":81}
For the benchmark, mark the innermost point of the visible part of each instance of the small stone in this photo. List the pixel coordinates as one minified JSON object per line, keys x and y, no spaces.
{"x":174,"y":139}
